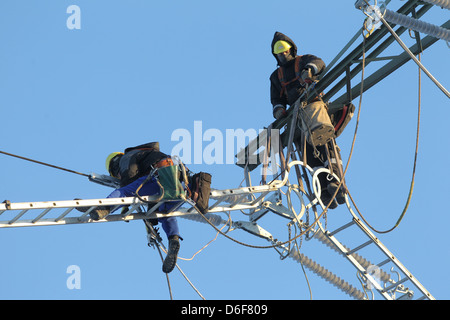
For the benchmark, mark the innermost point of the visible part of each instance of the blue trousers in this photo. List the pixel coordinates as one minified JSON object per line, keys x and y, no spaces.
{"x":169,"y":224}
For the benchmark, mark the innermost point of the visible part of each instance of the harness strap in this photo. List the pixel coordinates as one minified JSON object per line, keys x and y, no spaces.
{"x":283,"y":81}
{"x":167,"y":162}
{"x":344,"y":114}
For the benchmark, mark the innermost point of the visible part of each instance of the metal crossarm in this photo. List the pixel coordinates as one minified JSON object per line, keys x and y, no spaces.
{"x":27,"y":214}
{"x":22,"y":214}
{"x":47,"y":213}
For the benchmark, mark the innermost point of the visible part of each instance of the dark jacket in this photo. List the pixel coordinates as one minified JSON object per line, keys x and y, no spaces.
{"x":293,"y":89}
{"x":137,"y":161}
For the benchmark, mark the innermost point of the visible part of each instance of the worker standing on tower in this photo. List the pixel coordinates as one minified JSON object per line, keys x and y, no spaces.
{"x":287,"y":84}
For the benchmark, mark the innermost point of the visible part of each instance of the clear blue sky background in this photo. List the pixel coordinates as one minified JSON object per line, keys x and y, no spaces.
{"x":138,"y":70}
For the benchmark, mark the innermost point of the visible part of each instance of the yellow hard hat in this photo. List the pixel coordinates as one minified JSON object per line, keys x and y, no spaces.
{"x":281,"y":46}
{"x":109,"y":158}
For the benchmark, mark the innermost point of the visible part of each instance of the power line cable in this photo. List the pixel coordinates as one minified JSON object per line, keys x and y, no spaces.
{"x":45,"y":164}
{"x":411,"y":188}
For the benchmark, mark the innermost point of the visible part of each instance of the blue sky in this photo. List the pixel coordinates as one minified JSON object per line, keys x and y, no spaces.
{"x":138,"y":70}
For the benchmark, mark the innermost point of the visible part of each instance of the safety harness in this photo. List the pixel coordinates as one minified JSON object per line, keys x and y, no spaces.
{"x":282,"y":79}
{"x":340,"y":118}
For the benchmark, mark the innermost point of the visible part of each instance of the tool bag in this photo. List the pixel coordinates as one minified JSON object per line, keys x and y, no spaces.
{"x":200,"y":190}
{"x":341,"y":117}
{"x":315,"y":123}
{"x":168,"y":177}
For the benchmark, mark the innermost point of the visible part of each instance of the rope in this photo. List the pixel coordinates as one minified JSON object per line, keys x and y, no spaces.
{"x":303,"y":269}
{"x":43,"y":163}
{"x":156,"y":240}
{"x":411,"y":188}
{"x":167,"y":275}
{"x":193,"y":287}
{"x":228,"y":222}
{"x":352,"y":147}
{"x":408,"y":200}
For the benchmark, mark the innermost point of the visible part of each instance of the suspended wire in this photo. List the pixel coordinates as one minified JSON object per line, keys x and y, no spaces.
{"x":303,"y":267}
{"x":207,"y":244}
{"x":193,"y":287}
{"x":167,"y":275}
{"x":359,"y":276}
{"x":354,"y":137}
{"x":408,"y":200}
{"x":155,"y":240}
{"x":43,"y":163}
{"x":411,"y":188}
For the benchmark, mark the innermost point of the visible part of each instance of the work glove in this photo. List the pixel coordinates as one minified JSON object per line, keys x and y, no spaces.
{"x":307,"y":75}
{"x":279,"y":112}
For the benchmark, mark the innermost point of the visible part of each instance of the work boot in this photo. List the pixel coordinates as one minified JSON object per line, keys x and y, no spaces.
{"x":99,"y":213}
{"x":325,"y":196}
{"x":96,"y":214}
{"x":340,"y":196}
{"x":171,"y":258}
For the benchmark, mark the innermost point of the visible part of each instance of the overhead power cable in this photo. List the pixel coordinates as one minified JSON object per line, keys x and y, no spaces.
{"x":45,"y":164}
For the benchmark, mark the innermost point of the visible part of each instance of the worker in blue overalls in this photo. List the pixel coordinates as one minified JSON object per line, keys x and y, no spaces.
{"x":133,"y":167}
